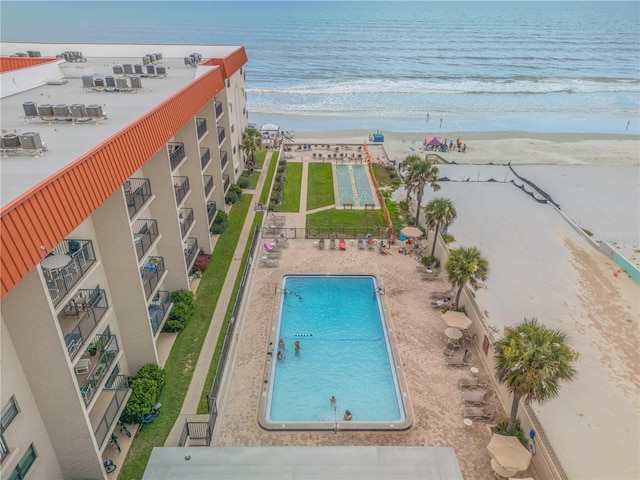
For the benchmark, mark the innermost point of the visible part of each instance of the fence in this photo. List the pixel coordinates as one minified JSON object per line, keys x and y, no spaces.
{"x":316,"y":232}
{"x":204,"y":430}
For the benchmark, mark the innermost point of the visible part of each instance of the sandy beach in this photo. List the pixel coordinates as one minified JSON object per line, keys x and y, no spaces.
{"x":503,"y":147}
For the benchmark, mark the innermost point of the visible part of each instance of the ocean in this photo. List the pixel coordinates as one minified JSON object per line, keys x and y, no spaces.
{"x":398,"y":66}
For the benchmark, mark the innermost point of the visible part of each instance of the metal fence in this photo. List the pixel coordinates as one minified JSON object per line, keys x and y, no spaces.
{"x":204,"y":430}
{"x":314,"y":233}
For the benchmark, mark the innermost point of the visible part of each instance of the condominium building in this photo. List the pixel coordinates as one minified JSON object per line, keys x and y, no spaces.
{"x":114,"y":162}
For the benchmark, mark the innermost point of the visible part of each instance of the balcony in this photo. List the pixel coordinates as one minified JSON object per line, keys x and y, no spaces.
{"x":78,"y":255}
{"x":186,"y":220}
{"x":211,"y":211}
{"x":80,"y":316}
{"x":151,"y":274}
{"x":205,"y":157}
{"x":221,"y":135}
{"x":145,"y":233}
{"x":91,"y":369}
{"x":201,"y":127}
{"x":181,"y":187}
{"x":218,"y":109}
{"x":226,"y":182}
{"x":116,"y":389}
{"x":190,"y":251}
{"x":176,"y":154}
{"x":158,"y":310}
{"x":137,"y":192}
{"x":224,"y":159}
{"x":208,"y":184}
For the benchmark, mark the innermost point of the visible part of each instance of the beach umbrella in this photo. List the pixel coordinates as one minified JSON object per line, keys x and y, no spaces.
{"x":411,"y":232}
{"x":433,"y":141}
{"x":455,"y":319}
{"x":269,"y":127}
{"x":509,"y":453}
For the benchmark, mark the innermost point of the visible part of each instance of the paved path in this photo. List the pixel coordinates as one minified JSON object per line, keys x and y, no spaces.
{"x":192,"y":399}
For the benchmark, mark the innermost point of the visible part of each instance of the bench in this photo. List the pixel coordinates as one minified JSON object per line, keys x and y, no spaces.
{"x":82,"y":366}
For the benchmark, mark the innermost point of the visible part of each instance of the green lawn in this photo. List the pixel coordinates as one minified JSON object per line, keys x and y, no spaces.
{"x":291,"y":193}
{"x":264,"y":196}
{"x":320,"y":186}
{"x":351,"y":219}
{"x":253,"y":178}
{"x":185,"y":351}
{"x":261,"y":154}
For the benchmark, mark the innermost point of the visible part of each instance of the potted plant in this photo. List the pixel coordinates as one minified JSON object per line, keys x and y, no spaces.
{"x":95,"y":346}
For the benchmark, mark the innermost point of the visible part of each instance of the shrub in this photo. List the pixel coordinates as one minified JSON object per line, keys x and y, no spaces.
{"x":154,"y":372}
{"x":272,"y":205}
{"x":279,"y":178}
{"x":282,"y":169}
{"x":236,"y":188}
{"x":144,"y":392}
{"x":429,"y":261}
{"x":183,"y":297}
{"x":277,"y":187}
{"x":243,"y":182}
{"x":232,"y":197}
{"x":220,"y":223}
{"x":183,"y":307}
{"x":201,"y":263}
{"x":448,"y":238}
{"x":276,"y":196}
{"x":283,"y":162}
{"x":501,"y":428}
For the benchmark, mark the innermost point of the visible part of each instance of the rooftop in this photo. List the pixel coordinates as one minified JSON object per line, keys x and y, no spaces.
{"x":66,"y":140}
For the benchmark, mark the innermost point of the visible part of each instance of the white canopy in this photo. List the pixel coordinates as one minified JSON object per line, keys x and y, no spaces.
{"x":269,"y":127}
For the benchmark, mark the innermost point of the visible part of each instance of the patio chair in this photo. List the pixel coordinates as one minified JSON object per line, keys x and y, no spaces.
{"x":332,"y":241}
{"x":274,"y":254}
{"x":450,"y":349}
{"x":342,"y":245}
{"x":485,"y":413}
{"x":268,"y":262}
{"x":463,"y":361}
{"x":360,"y":242}
{"x":321,"y":242}
{"x":476,"y":398}
{"x":481,"y":381}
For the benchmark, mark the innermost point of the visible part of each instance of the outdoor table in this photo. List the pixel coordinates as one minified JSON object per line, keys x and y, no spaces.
{"x":453,"y":333}
{"x":468,"y":422}
{"x":55,"y":262}
{"x":474,"y":371}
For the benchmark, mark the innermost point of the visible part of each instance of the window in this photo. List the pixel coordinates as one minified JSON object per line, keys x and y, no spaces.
{"x":4,"y":448}
{"x":234,"y":149}
{"x":233,"y":128}
{"x":24,"y":464}
{"x":9,"y":412}
{"x":230,"y":107}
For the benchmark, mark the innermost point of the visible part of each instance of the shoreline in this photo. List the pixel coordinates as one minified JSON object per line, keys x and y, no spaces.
{"x":500,"y":146}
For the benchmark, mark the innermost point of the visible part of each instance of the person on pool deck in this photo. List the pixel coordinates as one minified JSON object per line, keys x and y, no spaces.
{"x":297,"y":347}
{"x":347,"y":415}
{"x":281,"y":344}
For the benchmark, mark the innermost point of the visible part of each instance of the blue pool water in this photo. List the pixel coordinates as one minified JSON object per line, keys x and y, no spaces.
{"x":344,"y":353}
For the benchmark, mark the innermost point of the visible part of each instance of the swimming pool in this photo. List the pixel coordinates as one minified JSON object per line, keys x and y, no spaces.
{"x":345,"y":352}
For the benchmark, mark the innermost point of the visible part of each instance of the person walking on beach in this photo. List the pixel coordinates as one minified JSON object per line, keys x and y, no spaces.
{"x":440,"y":123}
{"x":428,"y":117}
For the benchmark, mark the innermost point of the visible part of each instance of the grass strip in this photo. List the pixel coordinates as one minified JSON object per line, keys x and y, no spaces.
{"x":203,"y":406}
{"x":292,"y":186}
{"x":320,"y":186}
{"x":260,"y":155}
{"x":186,"y":349}
{"x":267,"y":182}
{"x":361,"y":219}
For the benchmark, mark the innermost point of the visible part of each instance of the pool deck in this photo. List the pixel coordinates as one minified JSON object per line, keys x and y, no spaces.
{"x":419,"y":331}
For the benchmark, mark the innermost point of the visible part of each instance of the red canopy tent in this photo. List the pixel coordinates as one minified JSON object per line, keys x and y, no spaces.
{"x":433,"y":141}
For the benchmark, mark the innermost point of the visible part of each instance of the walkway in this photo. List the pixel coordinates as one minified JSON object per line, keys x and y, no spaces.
{"x":192,"y":399}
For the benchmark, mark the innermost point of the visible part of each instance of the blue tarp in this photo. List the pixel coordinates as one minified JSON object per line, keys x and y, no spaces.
{"x":378,"y":137}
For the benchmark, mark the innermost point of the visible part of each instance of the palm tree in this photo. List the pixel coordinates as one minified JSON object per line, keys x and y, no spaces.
{"x":440,"y":212}
{"x":420,"y":174}
{"x":532,"y":360}
{"x":251,"y":142}
{"x":466,"y":265}
{"x":410,"y":160}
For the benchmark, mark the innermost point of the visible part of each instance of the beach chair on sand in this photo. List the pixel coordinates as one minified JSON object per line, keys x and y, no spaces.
{"x":332,"y":241}
{"x":476,"y":398}
{"x":485,"y":413}
{"x":481,"y":381}
{"x":321,"y":242}
{"x":463,"y":361}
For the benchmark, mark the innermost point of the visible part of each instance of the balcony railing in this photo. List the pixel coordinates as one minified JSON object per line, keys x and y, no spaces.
{"x":218,"y":109}
{"x":221,"y":135}
{"x":201,"y":127}
{"x":60,"y":281}
{"x":119,"y":385}
{"x":181,"y":186}
{"x":186,"y":219}
{"x":224,"y":159}
{"x":211,"y":211}
{"x":190,"y":251}
{"x":176,"y":154}
{"x":137,"y":191}
{"x":208,"y":184}
{"x":89,"y":305}
{"x":145,"y":233}
{"x":158,"y":310}
{"x":109,"y":346}
{"x":4,"y":448}
{"x":205,"y":157}
{"x":226,"y":182}
{"x":151,"y":273}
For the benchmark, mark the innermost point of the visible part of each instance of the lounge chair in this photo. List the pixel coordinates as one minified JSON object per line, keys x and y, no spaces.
{"x":282,"y":242}
{"x":450,"y":349}
{"x":463,"y":361}
{"x":360,"y":243}
{"x":269,"y":262}
{"x":481,"y":381}
{"x":321,"y":242}
{"x":342,"y":245}
{"x":332,"y":241}
{"x":480,"y":413}
{"x":274,"y":254}
{"x":476,"y":398}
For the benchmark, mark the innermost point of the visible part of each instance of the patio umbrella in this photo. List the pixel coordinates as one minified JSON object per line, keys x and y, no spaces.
{"x":411,"y":232}
{"x":455,"y":319}
{"x":434,"y":141}
{"x":269,"y":127}
{"x":509,"y":453}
